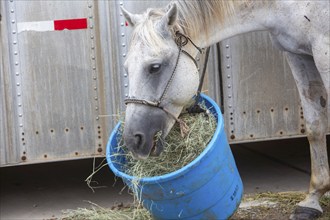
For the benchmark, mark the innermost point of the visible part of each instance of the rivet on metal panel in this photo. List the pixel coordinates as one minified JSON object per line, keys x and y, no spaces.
{"x":17,"y":84}
{"x":227,"y":56}
{"x":227,"y":46}
{"x":92,"y":37}
{"x":90,"y":5}
{"x":229,"y":86}
{"x":228,"y":76}
{"x":67,"y":130}
{"x":14,"y":42}
{"x":123,"y":34}
{"x":81,"y":128}
{"x":125,"y":75}
{"x":97,"y":118}
{"x":21,"y":125}
{"x":229,"y":96}
{"x":76,"y":153}
{"x":124,"y":55}
{"x":251,"y":135}
{"x":20,"y":115}
{"x":198,"y":59}
{"x":19,"y":105}
{"x":126,"y":85}
{"x":121,"y":14}
{"x":96,"y":108}
{"x":45,"y":156}
{"x":37,"y":132}
{"x":126,"y":95}
{"x":232,"y":137}
{"x":95,"y":98}
{"x":272,"y":110}
{"x":91,"y":26}
{"x":16,"y":63}
{"x":99,"y":150}
{"x":51,"y":130}
{"x":121,"y":3}
{"x":23,"y":157}
{"x":19,"y":94}
{"x":122,"y":24}
{"x":230,"y":106}
{"x":258,"y":111}
{"x":302,"y":131}
{"x":12,"y":10}
{"x":17,"y":74}
{"x":228,"y":66}
{"x":14,"y":32}
{"x":13,"y":21}
{"x":123,"y":45}
{"x":94,"y":68}
{"x":94,"y":77}
{"x":15,"y":52}
{"x":281,"y":132}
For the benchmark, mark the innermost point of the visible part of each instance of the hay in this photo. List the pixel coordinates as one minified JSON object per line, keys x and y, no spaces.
{"x":97,"y":212}
{"x":178,"y":151}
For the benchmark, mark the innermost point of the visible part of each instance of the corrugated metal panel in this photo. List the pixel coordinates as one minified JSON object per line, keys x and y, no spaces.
{"x":261,"y":99}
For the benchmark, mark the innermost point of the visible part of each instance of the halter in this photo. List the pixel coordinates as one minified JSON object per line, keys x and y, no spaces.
{"x":181,"y":40}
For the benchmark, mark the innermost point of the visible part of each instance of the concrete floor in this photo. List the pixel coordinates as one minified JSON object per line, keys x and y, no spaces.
{"x":42,"y":191}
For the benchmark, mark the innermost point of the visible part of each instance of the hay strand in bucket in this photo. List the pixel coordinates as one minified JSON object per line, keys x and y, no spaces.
{"x":178,"y":151}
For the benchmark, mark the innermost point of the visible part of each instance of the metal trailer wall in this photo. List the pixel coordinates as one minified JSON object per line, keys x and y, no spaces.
{"x":61,"y":91}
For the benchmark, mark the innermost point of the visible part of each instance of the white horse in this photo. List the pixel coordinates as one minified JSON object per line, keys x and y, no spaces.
{"x":163,"y":76}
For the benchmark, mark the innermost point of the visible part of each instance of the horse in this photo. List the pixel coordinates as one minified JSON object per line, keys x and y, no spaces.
{"x":163,"y":76}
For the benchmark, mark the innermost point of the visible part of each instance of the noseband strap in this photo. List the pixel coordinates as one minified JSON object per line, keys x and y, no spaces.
{"x":181,"y":40}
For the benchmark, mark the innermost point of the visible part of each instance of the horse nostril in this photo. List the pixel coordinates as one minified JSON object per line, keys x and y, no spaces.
{"x":138,"y":140}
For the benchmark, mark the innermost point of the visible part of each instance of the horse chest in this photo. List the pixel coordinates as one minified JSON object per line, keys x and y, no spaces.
{"x":289,"y":42}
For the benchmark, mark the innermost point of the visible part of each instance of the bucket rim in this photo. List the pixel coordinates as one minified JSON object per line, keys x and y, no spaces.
{"x":177,"y":173}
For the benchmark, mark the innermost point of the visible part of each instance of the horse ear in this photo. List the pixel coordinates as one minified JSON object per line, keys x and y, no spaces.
{"x":132,"y":19}
{"x":171,"y":14}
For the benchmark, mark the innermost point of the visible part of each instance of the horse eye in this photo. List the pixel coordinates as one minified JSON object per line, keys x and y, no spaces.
{"x":154,"y":68}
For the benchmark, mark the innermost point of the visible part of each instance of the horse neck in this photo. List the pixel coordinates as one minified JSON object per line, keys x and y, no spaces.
{"x":249,"y":16}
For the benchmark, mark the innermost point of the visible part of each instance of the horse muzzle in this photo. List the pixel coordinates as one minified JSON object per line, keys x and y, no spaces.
{"x":144,"y":130}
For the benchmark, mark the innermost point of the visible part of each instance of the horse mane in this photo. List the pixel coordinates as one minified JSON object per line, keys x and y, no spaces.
{"x":194,"y":16}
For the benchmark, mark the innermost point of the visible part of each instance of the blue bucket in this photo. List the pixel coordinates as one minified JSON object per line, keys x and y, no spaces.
{"x":209,"y":187}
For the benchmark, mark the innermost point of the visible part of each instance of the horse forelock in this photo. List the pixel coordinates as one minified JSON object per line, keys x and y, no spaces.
{"x":147,"y":32}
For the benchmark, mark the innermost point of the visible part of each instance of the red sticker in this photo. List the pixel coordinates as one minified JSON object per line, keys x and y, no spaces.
{"x":70,"y":24}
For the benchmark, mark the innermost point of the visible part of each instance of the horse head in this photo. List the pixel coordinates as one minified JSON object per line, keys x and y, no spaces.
{"x":163,"y":78}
